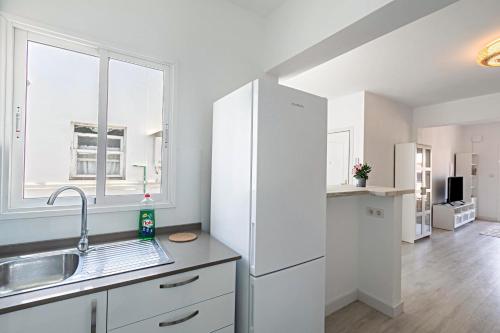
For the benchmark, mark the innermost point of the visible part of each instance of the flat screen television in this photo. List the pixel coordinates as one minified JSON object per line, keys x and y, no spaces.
{"x":455,"y":189}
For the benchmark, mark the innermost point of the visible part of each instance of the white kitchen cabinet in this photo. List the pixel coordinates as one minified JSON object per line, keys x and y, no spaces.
{"x":84,"y":314}
{"x":203,"y":317}
{"x":144,"y":300}
{"x":197,"y":301}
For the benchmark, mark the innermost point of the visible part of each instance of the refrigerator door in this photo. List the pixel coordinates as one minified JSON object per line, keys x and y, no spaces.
{"x":288,"y":218}
{"x":291,"y":300}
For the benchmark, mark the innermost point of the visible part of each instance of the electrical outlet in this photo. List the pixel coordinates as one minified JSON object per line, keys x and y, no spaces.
{"x":375,"y":212}
{"x":379,"y":213}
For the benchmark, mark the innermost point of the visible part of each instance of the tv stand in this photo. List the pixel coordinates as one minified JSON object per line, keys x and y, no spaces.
{"x":450,"y":216}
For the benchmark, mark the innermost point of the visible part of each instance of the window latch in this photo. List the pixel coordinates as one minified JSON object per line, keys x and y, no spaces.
{"x":18,"y":122}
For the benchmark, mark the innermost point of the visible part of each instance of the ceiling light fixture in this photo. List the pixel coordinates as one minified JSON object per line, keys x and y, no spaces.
{"x":490,"y":54}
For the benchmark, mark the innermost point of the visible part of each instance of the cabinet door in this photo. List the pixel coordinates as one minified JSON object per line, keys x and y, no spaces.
{"x":428,"y":158}
{"x":420,"y":158}
{"x":419,"y":226}
{"x":85,"y":314}
{"x":427,"y":224}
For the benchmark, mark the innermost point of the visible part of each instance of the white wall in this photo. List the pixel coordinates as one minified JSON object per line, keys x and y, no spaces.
{"x":347,"y":112}
{"x":488,"y":149}
{"x":479,"y":116}
{"x":446,"y":141}
{"x":342,"y":251}
{"x":378,"y":123}
{"x":478,"y":109}
{"x":217,"y":48}
{"x":363,"y":253}
{"x":386,"y":123}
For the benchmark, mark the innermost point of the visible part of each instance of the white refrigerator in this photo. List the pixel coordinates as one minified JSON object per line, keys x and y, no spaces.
{"x":268,"y":203}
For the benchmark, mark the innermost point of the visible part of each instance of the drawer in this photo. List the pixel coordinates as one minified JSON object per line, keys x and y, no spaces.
{"x":205,"y":317}
{"x":144,"y":300}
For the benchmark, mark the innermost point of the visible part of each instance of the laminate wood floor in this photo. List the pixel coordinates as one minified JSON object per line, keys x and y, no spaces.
{"x":450,"y":283}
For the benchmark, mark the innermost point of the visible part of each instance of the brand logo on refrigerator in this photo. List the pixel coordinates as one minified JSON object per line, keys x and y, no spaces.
{"x":298,"y":105}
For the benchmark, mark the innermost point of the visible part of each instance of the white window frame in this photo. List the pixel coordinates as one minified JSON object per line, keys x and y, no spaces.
{"x":75,"y":150}
{"x":14,"y":39}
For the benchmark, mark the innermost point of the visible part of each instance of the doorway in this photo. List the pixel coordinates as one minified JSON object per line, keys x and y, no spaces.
{"x":338,"y":157}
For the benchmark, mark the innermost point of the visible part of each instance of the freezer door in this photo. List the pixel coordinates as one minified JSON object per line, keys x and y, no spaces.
{"x":289,"y":178}
{"x":291,"y":300}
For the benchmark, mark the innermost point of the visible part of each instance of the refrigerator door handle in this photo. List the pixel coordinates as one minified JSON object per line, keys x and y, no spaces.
{"x":251,"y":310}
{"x":252,"y":247}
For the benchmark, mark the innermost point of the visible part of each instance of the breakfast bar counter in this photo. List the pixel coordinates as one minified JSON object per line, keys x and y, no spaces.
{"x":363,"y":247}
{"x":380,"y":191}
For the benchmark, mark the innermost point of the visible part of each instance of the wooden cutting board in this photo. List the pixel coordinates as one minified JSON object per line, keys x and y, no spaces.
{"x":182,"y":237}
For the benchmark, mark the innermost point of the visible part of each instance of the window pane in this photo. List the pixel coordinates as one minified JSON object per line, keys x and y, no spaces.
{"x":135,"y":102}
{"x":112,"y":168}
{"x":87,"y":142}
{"x":114,"y":144}
{"x":62,"y":88}
{"x":86,"y":165}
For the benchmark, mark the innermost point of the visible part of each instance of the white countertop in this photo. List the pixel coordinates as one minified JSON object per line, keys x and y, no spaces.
{"x":348,"y":190}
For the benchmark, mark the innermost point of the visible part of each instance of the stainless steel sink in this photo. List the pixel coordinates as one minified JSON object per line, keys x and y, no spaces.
{"x":37,"y":271}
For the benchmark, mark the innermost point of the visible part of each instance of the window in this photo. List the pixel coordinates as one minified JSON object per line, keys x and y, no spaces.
{"x":84,"y":152}
{"x":86,"y":116}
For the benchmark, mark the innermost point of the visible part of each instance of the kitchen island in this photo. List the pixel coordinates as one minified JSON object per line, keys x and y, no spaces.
{"x":363,"y":247}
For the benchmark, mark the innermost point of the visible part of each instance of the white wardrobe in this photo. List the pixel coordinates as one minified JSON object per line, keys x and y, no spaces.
{"x":413,"y":169}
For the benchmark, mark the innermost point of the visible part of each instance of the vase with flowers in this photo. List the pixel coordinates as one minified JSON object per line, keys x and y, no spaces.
{"x":360,"y":172}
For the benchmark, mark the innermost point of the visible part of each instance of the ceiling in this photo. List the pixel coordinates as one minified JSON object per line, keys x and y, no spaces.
{"x":261,"y":7}
{"x":429,"y":61}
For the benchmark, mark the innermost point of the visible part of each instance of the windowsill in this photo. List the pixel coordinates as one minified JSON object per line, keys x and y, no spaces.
{"x":73,"y":210}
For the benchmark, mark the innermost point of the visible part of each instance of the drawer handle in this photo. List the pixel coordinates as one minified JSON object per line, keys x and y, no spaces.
{"x":178,"y":321}
{"x":178,"y":284}
{"x":93,"y":317}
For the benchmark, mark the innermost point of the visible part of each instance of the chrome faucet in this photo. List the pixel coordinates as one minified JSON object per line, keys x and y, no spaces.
{"x":83,"y":243}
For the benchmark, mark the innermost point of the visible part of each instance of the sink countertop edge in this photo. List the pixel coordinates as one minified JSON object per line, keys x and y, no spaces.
{"x":203,"y":252}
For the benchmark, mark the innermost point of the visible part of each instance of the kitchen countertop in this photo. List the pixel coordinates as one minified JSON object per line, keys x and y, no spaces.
{"x":203,"y":252}
{"x":349,"y":190}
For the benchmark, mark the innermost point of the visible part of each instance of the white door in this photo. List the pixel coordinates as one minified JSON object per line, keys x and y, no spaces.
{"x":338,"y":158}
{"x":82,"y":314}
{"x":291,"y":300}
{"x":289,"y":171}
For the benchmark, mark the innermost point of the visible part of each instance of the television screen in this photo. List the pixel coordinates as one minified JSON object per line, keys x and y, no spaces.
{"x":455,"y":189}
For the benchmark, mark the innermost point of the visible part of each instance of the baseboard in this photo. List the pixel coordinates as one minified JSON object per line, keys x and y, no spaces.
{"x":485,"y":219}
{"x":341,"y":302}
{"x":358,"y":295}
{"x":388,"y":310}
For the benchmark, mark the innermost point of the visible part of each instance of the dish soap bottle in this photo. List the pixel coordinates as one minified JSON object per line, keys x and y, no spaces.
{"x":147,"y":218}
